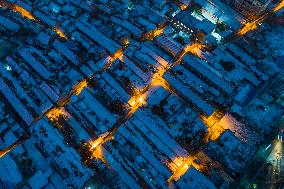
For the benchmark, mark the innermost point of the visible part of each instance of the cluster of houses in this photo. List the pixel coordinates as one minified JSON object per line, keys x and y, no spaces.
{"x":70,"y":69}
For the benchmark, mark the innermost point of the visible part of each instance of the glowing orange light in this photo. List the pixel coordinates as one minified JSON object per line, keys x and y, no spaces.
{"x":141,"y":99}
{"x":23,"y":12}
{"x":160,"y":81}
{"x":136,"y":100}
{"x":97,"y":142}
{"x":59,"y":32}
{"x":154,"y":33}
{"x":118,"y":54}
{"x":132,"y":102}
{"x":212,"y":119}
{"x":12,"y":146}
{"x":279,"y":6}
{"x":96,"y":145}
{"x":195,"y":48}
{"x":182,"y":6}
{"x":253,"y":25}
{"x":183,"y":166}
{"x":100,"y":140}
{"x":55,"y":113}
{"x":158,"y":32}
{"x":248,"y":27}
{"x":77,"y":89}
{"x":214,"y":128}
{"x":175,"y":163}
{"x":7,"y":150}
{"x":98,"y":154}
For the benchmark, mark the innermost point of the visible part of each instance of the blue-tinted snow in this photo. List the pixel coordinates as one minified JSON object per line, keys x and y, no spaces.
{"x":9,"y":24}
{"x":168,"y":45}
{"x":45,"y":18}
{"x":99,"y":37}
{"x":116,"y":86}
{"x":136,"y":69}
{"x":161,"y":146}
{"x":17,"y":89}
{"x":208,"y":72}
{"x":37,"y":66}
{"x":128,"y":26}
{"x":145,"y":148}
{"x":193,"y":179}
{"x":170,"y":142}
{"x":61,"y":48}
{"x":49,"y":92}
{"x":63,"y":159}
{"x":16,"y":103}
{"x":124,"y":174}
{"x":38,"y":180}
{"x":94,"y":105}
{"x":189,"y":94}
{"x":9,"y":173}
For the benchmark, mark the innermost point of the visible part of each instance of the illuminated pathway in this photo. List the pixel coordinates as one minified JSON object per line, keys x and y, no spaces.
{"x":28,"y":15}
{"x":56,"y":111}
{"x":182,"y":168}
{"x":140,"y":98}
{"x":195,"y":49}
{"x":154,"y":33}
{"x":156,"y":80}
{"x":278,"y":7}
{"x":96,"y":145}
{"x":214,"y":129}
{"x":249,"y":26}
{"x":59,"y":32}
{"x":135,"y":102}
{"x":12,"y":146}
{"x":22,"y":11}
{"x":212,"y":123}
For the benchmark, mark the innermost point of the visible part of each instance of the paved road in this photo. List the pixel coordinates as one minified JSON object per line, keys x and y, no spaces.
{"x":266,"y":170}
{"x":270,"y":175}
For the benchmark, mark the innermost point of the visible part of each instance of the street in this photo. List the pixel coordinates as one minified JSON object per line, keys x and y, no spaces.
{"x":270,"y":174}
{"x":265,"y":170}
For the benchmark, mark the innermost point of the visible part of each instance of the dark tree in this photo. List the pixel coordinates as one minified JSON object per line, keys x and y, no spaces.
{"x":116,"y":107}
{"x":26,"y":166}
{"x":221,"y":27}
{"x":227,"y":65}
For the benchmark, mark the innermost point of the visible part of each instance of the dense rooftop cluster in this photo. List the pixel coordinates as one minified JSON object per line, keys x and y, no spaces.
{"x":136,"y":94}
